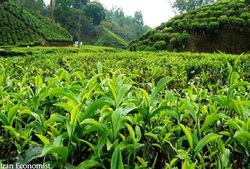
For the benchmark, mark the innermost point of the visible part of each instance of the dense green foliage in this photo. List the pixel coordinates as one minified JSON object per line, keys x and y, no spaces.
{"x":64,"y":107}
{"x":88,"y":21}
{"x":85,"y":18}
{"x":220,"y":26}
{"x":188,"y":5}
{"x":96,"y":11}
{"x":22,"y":28}
{"x":127,"y":27}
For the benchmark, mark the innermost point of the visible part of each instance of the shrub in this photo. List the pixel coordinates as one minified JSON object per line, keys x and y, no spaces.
{"x":223,"y":19}
{"x":237,"y":21}
{"x":167,"y":29}
{"x":159,"y":36}
{"x":141,"y":47}
{"x":180,"y":39}
{"x":213,"y":26}
{"x":160,"y":45}
{"x":149,"y":48}
{"x":245,"y":15}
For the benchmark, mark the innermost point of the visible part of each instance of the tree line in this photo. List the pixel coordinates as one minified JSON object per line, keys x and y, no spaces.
{"x":82,"y":17}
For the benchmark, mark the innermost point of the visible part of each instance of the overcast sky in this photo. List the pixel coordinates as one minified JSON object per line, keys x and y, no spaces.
{"x":154,"y":12}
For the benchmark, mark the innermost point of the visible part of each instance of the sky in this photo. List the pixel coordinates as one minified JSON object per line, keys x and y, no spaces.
{"x":154,"y":12}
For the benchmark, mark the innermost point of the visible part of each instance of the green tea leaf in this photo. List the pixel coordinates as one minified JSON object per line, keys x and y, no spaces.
{"x":204,"y":141}
{"x":244,"y":134}
{"x":37,"y":126}
{"x":173,"y":113}
{"x":131,"y":132}
{"x":145,"y":93}
{"x":138,"y":133}
{"x":64,"y":92}
{"x":128,"y":109}
{"x":32,"y":153}
{"x":101,"y":143}
{"x":188,"y":135}
{"x":4,"y":119}
{"x":160,"y":85}
{"x":152,"y":135}
{"x":96,"y":105}
{"x":221,"y":100}
{"x":55,"y":118}
{"x":116,"y":159}
{"x":238,"y":107}
{"x":237,"y":85}
{"x":38,"y":82}
{"x":121,"y":91}
{"x":92,"y":81}
{"x":187,"y":165}
{"x":191,"y":108}
{"x":92,"y":122}
{"x":43,"y":139}
{"x":64,"y":105}
{"x":12,"y":131}
{"x":89,"y":144}
{"x":99,"y":68}
{"x":158,"y":110}
{"x":116,"y":121}
{"x":112,"y":89}
{"x":60,"y":150}
{"x":11,"y":113}
{"x":210,"y":119}
{"x":88,"y":164}
{"x":74,"y":115}
{"x":233,"y":124}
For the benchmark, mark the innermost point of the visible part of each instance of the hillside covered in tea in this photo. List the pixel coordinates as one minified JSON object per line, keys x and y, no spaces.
{"x":20,"y":27}
{"x":220,"y":26}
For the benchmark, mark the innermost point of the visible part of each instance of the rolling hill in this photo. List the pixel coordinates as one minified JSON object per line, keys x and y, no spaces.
{"x":104,"y":37}
{"x":21,"y":28}
{"x":220,"y":26}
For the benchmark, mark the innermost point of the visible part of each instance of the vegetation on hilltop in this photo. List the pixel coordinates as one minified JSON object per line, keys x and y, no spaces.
{"x":127,"y":27}
{"x":220,"y":26}
{"x":105,"y":37}
{"x":181,"y":6}
{"x":20,"y":27}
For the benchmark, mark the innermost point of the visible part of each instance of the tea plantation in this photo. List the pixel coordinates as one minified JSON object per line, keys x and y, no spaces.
{"x":103,"y":108}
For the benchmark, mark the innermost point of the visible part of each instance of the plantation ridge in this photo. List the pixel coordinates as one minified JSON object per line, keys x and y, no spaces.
{"x":220,"y":26}
{"x":19,"y":27}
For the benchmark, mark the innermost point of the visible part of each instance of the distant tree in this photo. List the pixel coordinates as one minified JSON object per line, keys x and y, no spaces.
{"x":96,"y":11}
{"x":78,"y":5}
{"x":79,"y":24}
{"x":138,"y":17}
{"x":34,"y":6}
{"x":181,"y":6}
{"x":52,"y":4}
{"x":127,"y":27}
{"x":21,"y":4}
